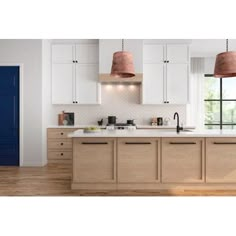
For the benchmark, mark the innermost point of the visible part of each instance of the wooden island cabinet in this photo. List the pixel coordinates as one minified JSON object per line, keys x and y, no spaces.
{"x":154,"y":163}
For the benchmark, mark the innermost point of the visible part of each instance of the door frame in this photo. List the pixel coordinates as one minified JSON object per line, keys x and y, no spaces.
{"x":21,"y":117}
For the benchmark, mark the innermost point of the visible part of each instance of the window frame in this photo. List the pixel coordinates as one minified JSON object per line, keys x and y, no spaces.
{"x":220,"y":100}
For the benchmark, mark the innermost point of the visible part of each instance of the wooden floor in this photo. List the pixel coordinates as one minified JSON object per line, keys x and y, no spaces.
{"x":55,"y":178}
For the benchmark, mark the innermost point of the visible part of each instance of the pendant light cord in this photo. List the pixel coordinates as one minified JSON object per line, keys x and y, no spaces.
{"x":122,"y":44}
{"x":227,"y":45}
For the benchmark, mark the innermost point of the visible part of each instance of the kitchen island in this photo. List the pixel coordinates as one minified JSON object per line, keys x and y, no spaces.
{"x":154,"y":160}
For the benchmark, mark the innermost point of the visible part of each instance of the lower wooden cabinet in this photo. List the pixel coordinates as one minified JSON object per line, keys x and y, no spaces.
{"x":59,"y":146}
{"x":138,"y":160}
{"x":183,"y":160}
{"x":221,"y":160}
{"x":94,"y":160}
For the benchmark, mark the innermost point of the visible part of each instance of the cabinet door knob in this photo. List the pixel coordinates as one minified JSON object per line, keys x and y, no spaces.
{"x":62,"y":133}
{"x":167,"y":61}
{"x":76,"y":61}
{"x":76,"y":101}
{"x":62,"y":154}
{"x":61,"y":144}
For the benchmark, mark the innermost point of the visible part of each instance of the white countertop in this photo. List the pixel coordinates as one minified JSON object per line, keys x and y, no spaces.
{"x":104,"y":126}
{"x":153,"y":133}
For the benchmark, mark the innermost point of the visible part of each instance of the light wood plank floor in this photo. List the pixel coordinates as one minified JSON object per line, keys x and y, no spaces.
{"x":54,"y":180}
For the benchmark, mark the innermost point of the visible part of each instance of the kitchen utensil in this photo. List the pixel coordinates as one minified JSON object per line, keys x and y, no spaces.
{"x":100,"y":122}
{"x":130,"y":122}
{"x":111,"y":120}
{"x":159,"y":121}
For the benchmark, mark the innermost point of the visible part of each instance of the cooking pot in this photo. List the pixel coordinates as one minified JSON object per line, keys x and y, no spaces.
{"x":130,"y":122}
{"x":111,"y":120}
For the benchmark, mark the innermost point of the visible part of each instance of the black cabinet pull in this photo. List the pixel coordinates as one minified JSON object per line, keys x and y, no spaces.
{"x":94,"y":143}
{"x":62,"y":154}
{"x":167,"y":102}
{"x":76,"y":102}
{"x":61,"y":144}
{"x":62,"y":133}
{"x":76,"y":61}
{"x":177,"y":143}
{"x":137,"y":143}
{"x":224,"y":142}
{"x":73,"y":61}
{"x":167,"y":61}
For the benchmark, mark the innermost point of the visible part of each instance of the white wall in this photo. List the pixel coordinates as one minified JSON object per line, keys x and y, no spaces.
{"x":28,"y":53}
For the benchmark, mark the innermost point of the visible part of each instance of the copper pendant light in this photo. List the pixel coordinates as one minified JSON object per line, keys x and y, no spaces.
{"x":122,"y":64}
{"x":225,"y":65}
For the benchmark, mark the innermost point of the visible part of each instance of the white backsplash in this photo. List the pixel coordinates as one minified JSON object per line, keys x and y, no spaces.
{"x":122,"y":101}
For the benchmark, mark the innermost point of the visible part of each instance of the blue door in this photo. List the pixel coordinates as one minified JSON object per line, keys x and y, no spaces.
{"x":9,"y":115}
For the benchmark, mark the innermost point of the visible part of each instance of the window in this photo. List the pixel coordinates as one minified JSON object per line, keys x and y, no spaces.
{"x":220,"y":102}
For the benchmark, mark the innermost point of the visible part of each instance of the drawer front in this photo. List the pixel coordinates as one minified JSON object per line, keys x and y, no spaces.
{"x":59,"y":133}
{"x":55,"y":155}
{"x":183,"y":160}
{"x":221,"y":160}
{"x":60,"y":144}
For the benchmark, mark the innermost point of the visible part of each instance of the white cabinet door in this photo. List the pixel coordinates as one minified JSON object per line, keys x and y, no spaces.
{"x":87,"y":87}
{"x":153,"y":84}
{"x":62,"y":83}
{"x":63,"y":53}
{"x":153,"y":53}
{"x":87,"y":53}
{"x":177,"y":53}
{"x":177,"y":85}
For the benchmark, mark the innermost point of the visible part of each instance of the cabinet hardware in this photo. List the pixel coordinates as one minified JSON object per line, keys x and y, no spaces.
{"x":167,"y":102}
{"x":96,"y":143}
{"x":62,"y":133}
{"x":183,"y":143}
{"x":224,"y":142}
{"x":76,"y":61}
{"x":61,"y":154}
{"x":164,"y":61}
{"x":167,"y":61}
{"x":135,"y":143}
{"x":73,"y":61}
{"x":76,"y":102}
{"x":61,"y":144}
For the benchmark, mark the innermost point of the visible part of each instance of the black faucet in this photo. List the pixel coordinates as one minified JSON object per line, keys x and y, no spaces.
{"x":178,"y":128}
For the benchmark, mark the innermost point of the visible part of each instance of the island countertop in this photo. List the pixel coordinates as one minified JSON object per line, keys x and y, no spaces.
{"x":152,"y":133}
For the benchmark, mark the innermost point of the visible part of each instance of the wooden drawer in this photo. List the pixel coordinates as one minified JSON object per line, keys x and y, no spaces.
{"x":56,"y":155}
{"x":59,"y":133}
{"x":221,"y":160}
{"x":60,"y":144}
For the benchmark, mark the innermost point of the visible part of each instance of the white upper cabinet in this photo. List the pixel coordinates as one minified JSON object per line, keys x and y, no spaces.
{"x":108,"y":46}
{"x":153,"y":54}
{"x":166,"y":74}
{"x":177,"y":53}
{"x":87,"y":53}
{"x":86,"y":83}
{"x":75,"y":73}
{"x":62,"y":77}
{"x":63,"y":53}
